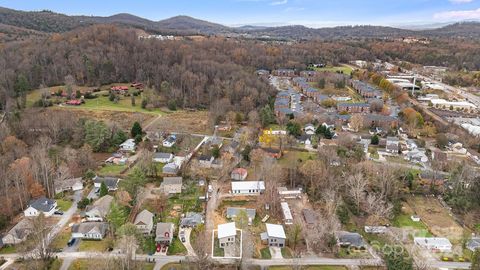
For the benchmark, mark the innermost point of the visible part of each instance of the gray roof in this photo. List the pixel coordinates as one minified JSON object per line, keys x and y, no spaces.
{"x":474,"y":243}
{"x":162,"y":155}
{"x":67,"y":183}
{"x":170,"y":168}
{"x":310,"y":216}
{"x":90,"y":227}
{"x":43,"y":204}
{"x":172,"y":181}
{"x":110,"y":182}
{"x":163,"y":228}
{"x":351,"y":239}
{"x":191,"y":219}
{"x":102,"y":205}
{"x":234,"y":211}
{"x":21,"y":229}
{"x":144,"y":217}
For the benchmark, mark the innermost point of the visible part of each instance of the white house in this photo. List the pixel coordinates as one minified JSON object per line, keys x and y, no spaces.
{"x":226,"y":234}
{"x":309,"y":129}
{"x":99,"y":210}
{"x":248,"y":187}
{"x":436,"y":244}
{"x":163,"y":157}
{"x":90,"y":230}
{"x":41,"y":205}
{"x":72,"y":184}
{"x":128,"y":146}
{"x":170,"y":141}
{"x":275,"y":235}
{"x":287,"y":214}
{"x":393,"y":145}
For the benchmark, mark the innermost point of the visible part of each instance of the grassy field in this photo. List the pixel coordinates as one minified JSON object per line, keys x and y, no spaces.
{"x":61,"y":240}
{"x":404,"y":220}
{"x":101,"y":103}
{"x":291,"y":157}
{"x":286,"y":253}
{"x":265,"y":252}
{"x":94,"y":245}
{"x":112,"y":169}
{"x":64,"y":205}
{"x":176,"y":248}
{"x":345,"y":69}
{"x":172,"y":266}
{"x":87,"y":264}
{"x":8,"y":250}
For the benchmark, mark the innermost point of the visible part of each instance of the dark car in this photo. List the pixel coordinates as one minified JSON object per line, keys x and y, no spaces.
{"x":71,"y":242}
{"x":58,"y":212}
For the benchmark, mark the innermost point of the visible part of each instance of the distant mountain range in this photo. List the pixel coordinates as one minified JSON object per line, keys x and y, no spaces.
{"x":50,"y":22}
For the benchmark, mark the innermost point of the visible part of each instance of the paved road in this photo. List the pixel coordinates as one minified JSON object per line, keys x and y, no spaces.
{"x":57,"y":228}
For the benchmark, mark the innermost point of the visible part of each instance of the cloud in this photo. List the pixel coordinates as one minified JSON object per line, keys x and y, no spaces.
{"x":277,"y":3}
{"x":473,"y":14}
{"x":460,"y":1}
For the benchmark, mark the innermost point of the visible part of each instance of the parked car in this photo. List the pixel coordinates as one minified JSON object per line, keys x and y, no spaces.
{"x":71,"y":242}
{"x":210,"y":188}
{"x":181,"y":235}
{"x":58,"y":212}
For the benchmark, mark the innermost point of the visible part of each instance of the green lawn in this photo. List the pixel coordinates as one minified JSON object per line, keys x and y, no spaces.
{"x":286,"y":253}
{"x":101,"y":103}
{"x":265,"y":252}
{"x":325,"y":267}
{"x":112,"y":169}
{"x":403,"y":220}
{"x":94,"y":245}
{"x":176,"y":247}
{"x":346,"y":70}
{"x":291,"y":157}
{"x":56,"y":264}
{"x":61,"y":240}
{"x":217,"y":250}
{"x":8,"y":250}
{"x":64,"y":205}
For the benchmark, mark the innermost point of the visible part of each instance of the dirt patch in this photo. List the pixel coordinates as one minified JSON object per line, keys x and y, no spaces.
{"x":187,"y":122}
{"x":124,"y":120}
{"x":436,"y":217}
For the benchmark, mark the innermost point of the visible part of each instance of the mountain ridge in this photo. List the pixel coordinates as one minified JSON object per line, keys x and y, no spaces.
{"x":51,"y":22}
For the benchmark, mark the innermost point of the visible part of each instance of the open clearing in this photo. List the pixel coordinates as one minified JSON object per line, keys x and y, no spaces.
{"x":345,"y":69}
{"x":436,"y":217}
{"x":183,"y":121}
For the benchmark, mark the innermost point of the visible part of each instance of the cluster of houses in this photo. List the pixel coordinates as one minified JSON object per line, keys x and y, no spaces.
{"x":288,"y":102}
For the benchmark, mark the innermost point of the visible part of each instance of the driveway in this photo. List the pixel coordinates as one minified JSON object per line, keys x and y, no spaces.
{"x":276,"y":253}
{"x":187,"y":244}
{"x":65,"y":218}
{"x":211,"y":206}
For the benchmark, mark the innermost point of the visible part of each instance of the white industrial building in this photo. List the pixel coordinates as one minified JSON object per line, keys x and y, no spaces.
{"x":248,"y":187}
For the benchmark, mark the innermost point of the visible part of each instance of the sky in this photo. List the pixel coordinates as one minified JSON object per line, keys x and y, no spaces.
{"x":311,"y":13}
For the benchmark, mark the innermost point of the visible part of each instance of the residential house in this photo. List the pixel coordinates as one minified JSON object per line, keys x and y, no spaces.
{"x":171,"y":185}
{"x":353,"y":107}
{"x":110,"y":182}
{"x":375,"y":229}
{"x":128,"y":146}
{"x":309,"y":75}
{"x":473,"y":244}
{"x":436,"y":244}
{"x":262,"y":72}
{"x":287,"y":214}
{"x":310,"y":92}
{"x":18,"y":233}
{"x":169,"y":141}
{"x":274,"y":236}
{"x":117,"y":159}
{"x":416,"y":155}
{"x":162,"y":157}
{"x":164,"y":233}
{"x":232,"y":212}
{"x":170,"y":169}
{"x":90,"y":230}
{"x":239,"y":174}
{"x":284,"y":72}
{"x":232,"y":147}
{"x":72,"y":184}
{"x":99,"y":210}
{"x":205,"y":161}
{"x":285,"y":193}
{"x":393,"y":145}
{"x":226,"y":234}
{"x":309,"y":129}
{"x":40,"y":205}
{"x":248,"y":187}
{"x":305,"y":139}
{"x":144,"y":222}
{"x":191,"y":220}
{"x":349,"y":239}
{"x":366,"y":90}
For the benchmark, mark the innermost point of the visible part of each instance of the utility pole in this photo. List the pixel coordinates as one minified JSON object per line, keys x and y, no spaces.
{"x":414,"y":84}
